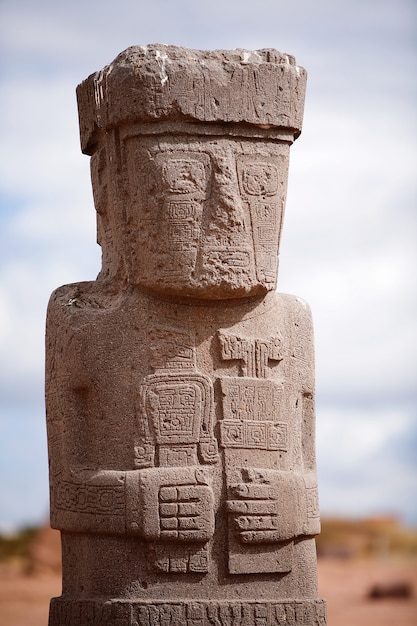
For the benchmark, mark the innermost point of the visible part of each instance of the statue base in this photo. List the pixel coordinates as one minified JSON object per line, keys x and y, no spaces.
{"x":65,"y":612}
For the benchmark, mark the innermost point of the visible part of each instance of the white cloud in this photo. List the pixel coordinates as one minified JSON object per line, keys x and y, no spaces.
{"x":40,"y":138}
{"x":358,"y":433}
{"x":358,"y":472}
{"x":349,"y":247}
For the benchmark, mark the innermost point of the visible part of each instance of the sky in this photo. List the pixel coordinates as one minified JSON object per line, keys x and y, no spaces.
{"x":349,"y":240}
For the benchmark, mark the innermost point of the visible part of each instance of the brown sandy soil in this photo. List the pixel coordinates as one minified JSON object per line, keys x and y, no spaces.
{"x":24,"y":599}
{"x":345,"y":585}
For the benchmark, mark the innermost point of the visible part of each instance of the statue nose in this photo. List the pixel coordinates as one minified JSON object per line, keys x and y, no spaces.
{"x":228,"y":207}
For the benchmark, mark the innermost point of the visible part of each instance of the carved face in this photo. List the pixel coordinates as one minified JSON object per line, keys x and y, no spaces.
{"x":205,"y":214}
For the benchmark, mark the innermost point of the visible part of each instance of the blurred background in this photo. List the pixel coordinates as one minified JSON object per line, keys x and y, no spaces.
{"x":349,"y":239}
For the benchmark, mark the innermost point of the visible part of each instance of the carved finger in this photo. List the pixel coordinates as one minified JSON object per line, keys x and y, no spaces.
{"x":252,"y":491}
{"x":188,"y":523}
{"x":257,"y":476}
{"x":193,"y":535}
{"x":257,"y":522}
{"x":168,"y":509}
{"x":192,"y":492}
{"x":168,"y":523}
{"x":186,"y":509}
{"x":252,"y":507}
{"x":260,"y":536}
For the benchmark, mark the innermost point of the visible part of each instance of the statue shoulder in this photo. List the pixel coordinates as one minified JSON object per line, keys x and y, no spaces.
{"x":82,"y":300}
{"x":75,"y":296}
{"x":294,"y":305}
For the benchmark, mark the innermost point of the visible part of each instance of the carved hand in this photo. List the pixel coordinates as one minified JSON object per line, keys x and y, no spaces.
{"x":264,"y":509}
{"x":178,"y":504}
{"x":185,"y":512}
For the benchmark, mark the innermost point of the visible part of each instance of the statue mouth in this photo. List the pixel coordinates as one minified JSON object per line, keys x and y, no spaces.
{"x":228,"y":257}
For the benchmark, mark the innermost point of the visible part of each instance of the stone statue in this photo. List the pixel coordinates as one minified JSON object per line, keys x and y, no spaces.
{"x":180,"y":386}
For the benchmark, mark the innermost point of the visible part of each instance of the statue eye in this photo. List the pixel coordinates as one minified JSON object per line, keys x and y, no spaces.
{"x":184,"y":176}
{"x":260,"y":179}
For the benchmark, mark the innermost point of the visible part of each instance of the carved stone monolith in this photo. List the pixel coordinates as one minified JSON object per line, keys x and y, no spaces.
{"x":180,"y":386}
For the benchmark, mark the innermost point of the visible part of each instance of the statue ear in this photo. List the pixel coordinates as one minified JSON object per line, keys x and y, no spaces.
{"x":98,"y":168}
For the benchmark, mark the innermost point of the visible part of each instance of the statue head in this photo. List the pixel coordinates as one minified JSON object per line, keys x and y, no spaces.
{"x":189,"y":166}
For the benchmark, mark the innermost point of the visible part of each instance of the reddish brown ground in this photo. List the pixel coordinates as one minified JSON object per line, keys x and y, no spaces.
{"x":24,"y":599}
{"x":345,"y":585}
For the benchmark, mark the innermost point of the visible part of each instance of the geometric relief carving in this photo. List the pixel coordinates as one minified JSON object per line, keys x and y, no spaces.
{"x":182,"y":211}
{"x":222,"y":258}
{"x":254,"y":354}
{"x":312,"y":502}
{"x":259,"y":511}
{"x":183,"y":230}
{"x":144,"y":455}
{"x":184,"y":177}
{"x":175,"y":434}
{"x":253,"y":419}
{"x":176,"y":405}
{"x":251,"y":398}
{"x":256,"y":517}
{"x":171,"y":348}
{"x":259,"y":184}
{"x":189,"y":613}
{"x":178,"y":504}
{"x":178,"y":560}
{"x":177,"y":409}
{"x":263,"y":508}
{"x":265,"y":226}
{"x":180,"y":510}
{"x":176,"y":456}
{"x":259,"y":178}
{"x":254,"y":435}
{"x":251,"y":407}
{"x":94,"y":499}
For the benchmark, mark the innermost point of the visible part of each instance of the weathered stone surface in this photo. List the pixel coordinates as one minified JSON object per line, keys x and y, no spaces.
{"x":165,"y":83}
{"x":189,"y":613}
{"x":180,"y":387}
